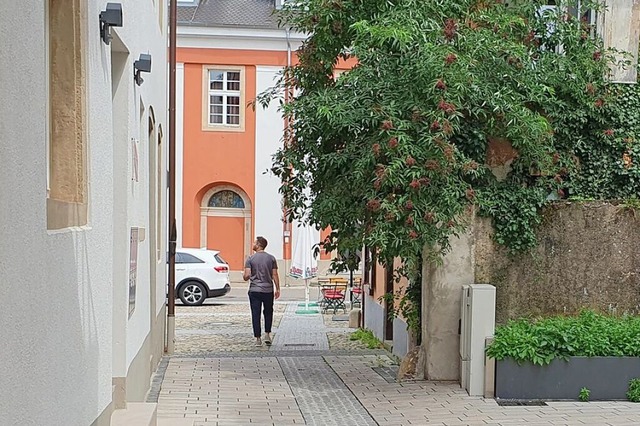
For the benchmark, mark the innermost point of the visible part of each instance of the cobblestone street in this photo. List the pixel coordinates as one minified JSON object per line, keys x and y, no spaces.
{"x":313,"y":374}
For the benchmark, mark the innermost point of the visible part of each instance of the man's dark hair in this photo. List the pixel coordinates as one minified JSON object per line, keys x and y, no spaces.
{"x":262,"y":241}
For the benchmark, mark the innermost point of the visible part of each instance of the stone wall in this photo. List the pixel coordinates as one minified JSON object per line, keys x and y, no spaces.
{"x":588,"y":256}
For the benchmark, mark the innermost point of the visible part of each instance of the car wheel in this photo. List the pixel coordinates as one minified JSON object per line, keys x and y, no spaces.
{"x":192,"y":293}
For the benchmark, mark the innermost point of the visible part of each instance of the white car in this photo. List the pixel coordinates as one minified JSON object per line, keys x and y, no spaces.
{"x":200,"y":274}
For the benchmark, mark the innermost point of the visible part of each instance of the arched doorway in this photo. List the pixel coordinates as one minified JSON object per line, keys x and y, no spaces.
{"x":225,"y":224}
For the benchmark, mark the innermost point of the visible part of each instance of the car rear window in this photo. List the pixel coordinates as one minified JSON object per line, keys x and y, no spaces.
{"x":219,"y":259}
{"x":188,"y":258}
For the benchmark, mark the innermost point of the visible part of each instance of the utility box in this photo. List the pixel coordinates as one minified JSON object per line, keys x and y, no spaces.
{"x":478,"y":318}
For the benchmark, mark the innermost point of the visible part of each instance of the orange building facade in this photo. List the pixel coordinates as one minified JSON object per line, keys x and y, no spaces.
{"x":224,"y":145}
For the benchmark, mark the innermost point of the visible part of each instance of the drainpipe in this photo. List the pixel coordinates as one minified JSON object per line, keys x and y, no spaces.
{"x":173,"y":233}
{"x":287,"y":33}
{"x":286,"y":226}
{"x":366,"y":280}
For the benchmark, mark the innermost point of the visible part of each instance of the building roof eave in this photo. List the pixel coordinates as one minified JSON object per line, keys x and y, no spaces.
{"x":238,"y":33}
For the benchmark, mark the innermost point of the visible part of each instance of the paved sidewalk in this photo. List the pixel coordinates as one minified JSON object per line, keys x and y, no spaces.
{"x":301,"y":379}
{"x":301,"y":332}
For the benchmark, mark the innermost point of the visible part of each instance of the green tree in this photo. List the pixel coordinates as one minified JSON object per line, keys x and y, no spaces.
{"x":392,"y":153}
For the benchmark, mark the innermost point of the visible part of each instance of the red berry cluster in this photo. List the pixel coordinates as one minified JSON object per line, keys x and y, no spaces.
{"x":450,"y":29}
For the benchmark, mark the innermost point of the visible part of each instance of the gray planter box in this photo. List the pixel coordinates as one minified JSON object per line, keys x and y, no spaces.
{"x":606,"y":377}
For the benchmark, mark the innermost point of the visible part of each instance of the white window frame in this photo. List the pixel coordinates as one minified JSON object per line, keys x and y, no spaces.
{"x":207,"y":92}
{"x":577,"y":13}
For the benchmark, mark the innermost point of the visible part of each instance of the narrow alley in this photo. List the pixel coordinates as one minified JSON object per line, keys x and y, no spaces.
{"x":313,"y":374}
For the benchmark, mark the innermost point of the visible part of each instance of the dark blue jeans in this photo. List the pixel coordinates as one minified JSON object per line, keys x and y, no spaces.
{"x":257,"y":300}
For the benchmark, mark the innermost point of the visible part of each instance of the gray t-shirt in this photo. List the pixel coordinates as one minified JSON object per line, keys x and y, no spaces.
{"x":262,"y":265}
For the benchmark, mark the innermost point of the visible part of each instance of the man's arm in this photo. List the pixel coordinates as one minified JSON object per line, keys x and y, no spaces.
{"x":276,"y":281}
{"x":247,"y":269}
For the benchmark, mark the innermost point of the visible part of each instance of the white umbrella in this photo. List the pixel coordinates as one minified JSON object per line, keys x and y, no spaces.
{"x":304,"y":265}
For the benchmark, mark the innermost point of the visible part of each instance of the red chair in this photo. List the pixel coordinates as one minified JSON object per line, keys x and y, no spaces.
{"x":333,"y":297}
{"x":356,"y":293}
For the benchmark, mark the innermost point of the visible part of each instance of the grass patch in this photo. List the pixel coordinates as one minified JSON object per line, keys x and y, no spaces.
{"x":367,"y":338}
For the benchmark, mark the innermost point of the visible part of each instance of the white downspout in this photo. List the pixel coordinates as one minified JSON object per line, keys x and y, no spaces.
{"x":286,"y":226}
{"x":287,"y":33}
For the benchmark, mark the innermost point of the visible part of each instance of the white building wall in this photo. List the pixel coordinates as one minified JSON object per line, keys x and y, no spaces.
{"x":55,"y":337}
{"x":179,"y":147}
{"x":140,"y":33}
{"x":269,"y":129}
{"x":121,"y":175}
{"x":57,"y":362}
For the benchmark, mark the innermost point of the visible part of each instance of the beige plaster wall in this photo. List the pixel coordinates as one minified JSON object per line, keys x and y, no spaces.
{"x":67,"y":197}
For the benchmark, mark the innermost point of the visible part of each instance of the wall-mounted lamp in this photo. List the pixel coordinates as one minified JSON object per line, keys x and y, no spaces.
{"x":111,"y":17}
{"x":143,"y":64}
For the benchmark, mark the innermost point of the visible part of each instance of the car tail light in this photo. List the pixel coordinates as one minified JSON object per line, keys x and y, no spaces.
{"x":221,"y":268}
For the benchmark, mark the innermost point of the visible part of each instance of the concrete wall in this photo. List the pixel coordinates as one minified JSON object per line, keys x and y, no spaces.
{"x":57,"y":361}
{"x":374,"y":317}
{"x":619,"y":26}
{"x":401,"y":338}
{"x":587,"y":256}
{"x":441,"y":294}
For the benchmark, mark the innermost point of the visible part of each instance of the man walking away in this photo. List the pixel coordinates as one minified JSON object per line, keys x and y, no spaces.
{"x":262,"y":270}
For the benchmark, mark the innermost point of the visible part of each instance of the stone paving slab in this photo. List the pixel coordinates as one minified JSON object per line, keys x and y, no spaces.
{"x":422,"y":402}
{"x":227,"y":328}
{"x":196,"y":345}
{"x":341,"y":340}
{"x":298,"y":389}
{"x":228,"y":391}
{"x":218,"y":377}
{"x":322,"y":397}
{"x":330,"y":322}
{"x":265,"y":353}
{"x":302,"y":332}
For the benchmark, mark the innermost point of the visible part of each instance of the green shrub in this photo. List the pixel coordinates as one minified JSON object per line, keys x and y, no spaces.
{"x":588,"y":334}
{"x":633,"y":394}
